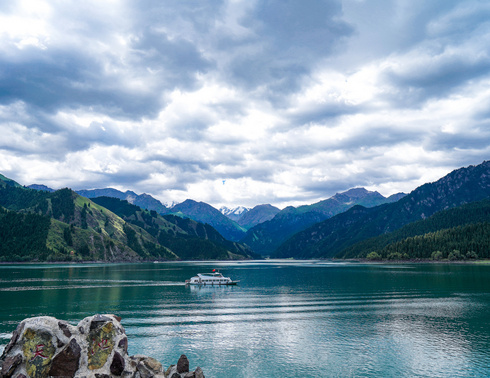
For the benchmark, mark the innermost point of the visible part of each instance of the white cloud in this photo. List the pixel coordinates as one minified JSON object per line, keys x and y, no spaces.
{"x":285,"y":102}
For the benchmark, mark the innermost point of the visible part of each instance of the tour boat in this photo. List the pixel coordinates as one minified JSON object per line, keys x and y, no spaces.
{"x":214,"y":278}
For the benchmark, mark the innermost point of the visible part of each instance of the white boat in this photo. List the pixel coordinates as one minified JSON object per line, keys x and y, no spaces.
{"x":214,"y":278}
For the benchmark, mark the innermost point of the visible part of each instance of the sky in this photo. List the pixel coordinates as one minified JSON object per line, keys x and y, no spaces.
{"x":243,"y":102}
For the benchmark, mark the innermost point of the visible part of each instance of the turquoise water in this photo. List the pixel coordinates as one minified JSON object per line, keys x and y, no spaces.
{"x":284,"y":318}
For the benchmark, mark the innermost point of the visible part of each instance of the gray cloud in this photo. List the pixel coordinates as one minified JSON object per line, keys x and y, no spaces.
{"x":288,"y":101}
{"x":286,"y":41}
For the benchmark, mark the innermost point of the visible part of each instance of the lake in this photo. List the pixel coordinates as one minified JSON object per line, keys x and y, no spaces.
{"x":284,"y":318}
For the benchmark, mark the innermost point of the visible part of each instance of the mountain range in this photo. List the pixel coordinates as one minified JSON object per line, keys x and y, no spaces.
{"x":39,"y":225}
{"x":234,"y":223}
{"x":334,"y":236}
{"x":266,"y":237}
{"x":450,"y":215}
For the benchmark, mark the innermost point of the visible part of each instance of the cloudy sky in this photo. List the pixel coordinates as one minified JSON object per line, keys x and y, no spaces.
{"x":243,"y":102}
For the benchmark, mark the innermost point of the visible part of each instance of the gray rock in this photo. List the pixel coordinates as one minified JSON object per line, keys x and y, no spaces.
{"x":64,"y":327}
{"x":144,"y":371}
{"x":171,"y":369}
{"x":153,"y":365}
{"x":123,"y":344}
{"x":66,"y":363}
{"x":10,"y":364}
{"x":13,"y":340}
{"x":183,"y":364}
{"x":98,"y":321}
{"x":199,"y":373}
{"x":96,"y":347}
{"x":117,"y":365}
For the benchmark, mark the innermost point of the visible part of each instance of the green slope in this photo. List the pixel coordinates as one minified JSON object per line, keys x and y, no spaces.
{"x":5,"y":181}
{"x":185,"y":237}
{"x":331,"y":237}
{"x":80,"y":229}
{"x":444,"y":231}
{"x":266,"y":237}
{"x":204,"y":213}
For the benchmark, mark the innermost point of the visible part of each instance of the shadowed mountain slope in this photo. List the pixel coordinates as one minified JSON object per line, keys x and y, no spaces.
{"x":332,"y":236}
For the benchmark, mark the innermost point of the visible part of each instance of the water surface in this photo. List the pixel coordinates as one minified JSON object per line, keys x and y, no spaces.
{"x":284,"y":319}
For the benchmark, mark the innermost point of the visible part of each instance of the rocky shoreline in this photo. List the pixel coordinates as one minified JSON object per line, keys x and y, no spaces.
{"x":97,"y":347}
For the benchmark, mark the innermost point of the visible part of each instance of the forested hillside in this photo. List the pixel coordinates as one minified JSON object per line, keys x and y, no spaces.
{"x":331,"y":237}
{"x":63,"y":226}
{"x":187,"y":238}
{"x":266,"y":237}
{"x":23,"y":232}
{"x":464,"y":229}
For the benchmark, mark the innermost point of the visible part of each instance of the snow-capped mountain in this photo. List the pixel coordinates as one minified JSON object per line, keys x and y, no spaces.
{"x":170,"y":204}
{"x":234,"y":213}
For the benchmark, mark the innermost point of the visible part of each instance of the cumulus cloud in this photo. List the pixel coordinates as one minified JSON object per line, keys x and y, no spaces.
{"x":236,"y":102}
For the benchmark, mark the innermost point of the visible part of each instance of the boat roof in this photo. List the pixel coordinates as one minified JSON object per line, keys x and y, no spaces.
{"x":213,"y":274}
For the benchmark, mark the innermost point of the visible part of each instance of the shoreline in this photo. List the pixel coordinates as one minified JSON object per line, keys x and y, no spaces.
{"x":363,"y":261}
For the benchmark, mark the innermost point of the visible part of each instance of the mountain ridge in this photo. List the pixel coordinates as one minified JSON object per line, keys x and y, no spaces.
{"x":80,"y":229}
{"x":330,"y":237}
{"x":266,"y":237}
{"x":205,"y":213}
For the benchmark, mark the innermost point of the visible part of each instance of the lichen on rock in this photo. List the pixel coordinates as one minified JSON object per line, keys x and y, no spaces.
{"x":97,"y":347}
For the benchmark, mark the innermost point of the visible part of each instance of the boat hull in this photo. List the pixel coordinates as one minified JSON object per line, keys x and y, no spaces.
{"x":210,"y":279}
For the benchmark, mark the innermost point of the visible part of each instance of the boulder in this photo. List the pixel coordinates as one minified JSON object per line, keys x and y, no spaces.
{"x":96,"y":347}
{"x":183,"y":364}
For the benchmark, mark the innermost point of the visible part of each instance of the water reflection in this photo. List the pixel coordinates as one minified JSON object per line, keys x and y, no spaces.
{"x":285,"y":318}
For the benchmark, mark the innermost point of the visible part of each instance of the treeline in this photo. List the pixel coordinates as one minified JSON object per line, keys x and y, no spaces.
{"x":459,"y":243}
{"x":23,"y":236}
{"x":462,"y":231}
{"x":62,"y":226}
{"x":17,"y":199}
{"x":58,"y":204}
{"x":121,"y":207}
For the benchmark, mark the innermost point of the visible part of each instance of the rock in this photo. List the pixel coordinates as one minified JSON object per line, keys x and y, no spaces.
{"x":38,"y":350}
{"x":199,"y":373}
{"x":13,"y":340}
{"x":117,"y":365}
{"x":149,"y":367}
{"x":171,"y":369}
{"x":183,"y":364}
{"x":96,"y":347}
{"x":153,"y":364}
{"x":64,"y":328}
{"x":10,"y":364}
{"x":66,"y":362}
{"x":144,"y":371}
{"x":100,"y":343}
{"x":98,"y":321}
{"x":123,"y":343}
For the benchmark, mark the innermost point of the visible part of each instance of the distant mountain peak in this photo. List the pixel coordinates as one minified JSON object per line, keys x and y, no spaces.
{"x":41,"y":187}
{"x":169,"y":204}
{"x":205,"y":213}
{"x":238,"y":210}
{"x":145,"y":201}
{"x":357,"y":193}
